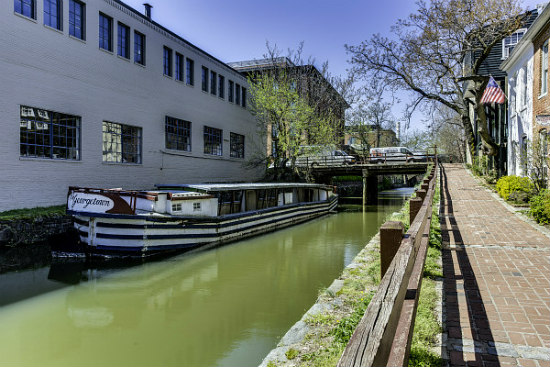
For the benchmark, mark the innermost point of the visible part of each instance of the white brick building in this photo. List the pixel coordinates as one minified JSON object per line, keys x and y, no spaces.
{"x":94,"y":93}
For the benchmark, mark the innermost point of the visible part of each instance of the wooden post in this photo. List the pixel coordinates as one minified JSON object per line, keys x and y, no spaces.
{"x":391,"y":234}
{"x":365,"y":174}
{"x":424,"y":186}
{"x":414,"y":207}
{"x":421,"y":194}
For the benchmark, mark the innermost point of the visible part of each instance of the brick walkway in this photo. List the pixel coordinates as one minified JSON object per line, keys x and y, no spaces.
{"x":496,"y":288}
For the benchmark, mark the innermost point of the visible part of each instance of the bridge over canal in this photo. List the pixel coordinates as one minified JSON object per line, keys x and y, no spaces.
{"x":369,"y":172}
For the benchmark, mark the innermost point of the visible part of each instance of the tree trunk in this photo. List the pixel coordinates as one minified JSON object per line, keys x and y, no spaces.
{"x":491,"y":148}
{"x":468,"y":133}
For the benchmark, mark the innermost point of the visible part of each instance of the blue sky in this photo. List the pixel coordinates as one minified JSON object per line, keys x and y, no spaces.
{"x":238,"y":29}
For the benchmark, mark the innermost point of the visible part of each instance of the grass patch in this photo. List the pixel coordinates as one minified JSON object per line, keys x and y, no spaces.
{"x":32,"y":212}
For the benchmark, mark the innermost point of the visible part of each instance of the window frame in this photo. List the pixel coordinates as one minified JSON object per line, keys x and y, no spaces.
{"x":204,"y":78}
{"x":123,"y":44}
{"x":543,"y":90}
{"x":139,"y":48}
{"x":213,"y":141}
{"x":237,"y":94}
{"x":19,"y":7}
{"x":236,"y":144}
{"x":49,"y":17}
{"x":181,"y":129}
{"x":221,"y":86}
{"x":213,"y":82}
{"x":52,"y":122}
{"x":243,"y":96}
{"x":179,"y":67}
{"x":108,"y":31}
{"x":506,"y":51}
{"x":231,"y":91}
{"x":189,"y":71}
{"x":167,"y":56}
{"x":123,"y":154}
{"x":73,"y":17}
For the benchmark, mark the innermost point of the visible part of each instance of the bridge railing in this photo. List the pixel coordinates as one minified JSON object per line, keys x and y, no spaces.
{"x":383,"y":336}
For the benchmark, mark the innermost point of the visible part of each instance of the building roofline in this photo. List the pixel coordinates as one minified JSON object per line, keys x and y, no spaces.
{"x":152,"y":22}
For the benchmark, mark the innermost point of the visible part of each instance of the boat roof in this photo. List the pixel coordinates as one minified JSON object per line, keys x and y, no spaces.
{"x":242,"y":186}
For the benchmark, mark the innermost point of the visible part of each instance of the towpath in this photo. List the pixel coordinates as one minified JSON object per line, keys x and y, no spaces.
{"x":496,"y":287}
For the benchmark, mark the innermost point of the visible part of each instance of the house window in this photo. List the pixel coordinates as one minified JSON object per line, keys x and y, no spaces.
{"x":544,"y":69}
{"x":167,"y":61}
{"x":178,"y":134}
{"x":508,"y":43}
{"x":231,"y":88}
{"x":221,"y":86}
{"x":204,"y":78}
{"x":237,"y":94}
{"x":52,"y":13}
{"x":243,"y":97}
{"x":139,"y":48}
{"x":123,"y":36}
{"x":25,"y":7}
{"x":105,"y":32}
{"x":179,"y":67}
{"x":213,"y":81}
{"x":237,"y":145}
{"x":121,"y":143}
{"x":212,"y":141}
{"x":48,"y":134}
{"x":189,"y":72}
{"x":77,"y":16}
{"x":524,"y":87}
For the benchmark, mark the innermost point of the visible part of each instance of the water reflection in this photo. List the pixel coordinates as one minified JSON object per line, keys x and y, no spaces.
{"x":224,"y":307}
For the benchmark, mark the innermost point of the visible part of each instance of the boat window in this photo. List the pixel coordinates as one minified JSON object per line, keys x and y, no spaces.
{"x":196,"y":207}
{"x":176,"y":207}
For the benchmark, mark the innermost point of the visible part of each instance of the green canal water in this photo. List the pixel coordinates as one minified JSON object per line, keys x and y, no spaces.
{"x":223,"y":307}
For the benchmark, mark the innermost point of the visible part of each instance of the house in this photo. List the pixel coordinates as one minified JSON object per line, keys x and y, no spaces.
{"x":528,"y":102}
{"x":98,"y":94}
{"x":497,"y":117}
{"x":371,"y":137}
{"x":310,"y":84}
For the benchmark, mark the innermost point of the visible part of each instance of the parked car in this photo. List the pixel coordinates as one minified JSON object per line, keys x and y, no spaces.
{"x":393,"y":155}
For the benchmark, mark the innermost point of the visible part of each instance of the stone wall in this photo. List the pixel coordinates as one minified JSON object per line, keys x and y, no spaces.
{"x":20,"y":232}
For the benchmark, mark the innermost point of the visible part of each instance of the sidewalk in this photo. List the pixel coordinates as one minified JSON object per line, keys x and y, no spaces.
{"x":496,"y":288}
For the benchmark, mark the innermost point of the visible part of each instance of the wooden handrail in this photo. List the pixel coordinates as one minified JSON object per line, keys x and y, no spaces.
{"x":383,"y":336}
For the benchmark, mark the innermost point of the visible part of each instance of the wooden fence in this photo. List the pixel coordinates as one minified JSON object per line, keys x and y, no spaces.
{"x":383,"y":336}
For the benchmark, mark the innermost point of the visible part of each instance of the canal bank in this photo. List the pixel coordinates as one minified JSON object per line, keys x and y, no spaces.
{"x":320,"y":336}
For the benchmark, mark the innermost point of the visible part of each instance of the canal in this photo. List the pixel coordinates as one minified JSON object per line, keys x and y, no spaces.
{"x":227,"y":306}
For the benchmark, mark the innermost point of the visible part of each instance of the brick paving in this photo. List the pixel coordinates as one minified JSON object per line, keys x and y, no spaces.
{"x":496,"y":286}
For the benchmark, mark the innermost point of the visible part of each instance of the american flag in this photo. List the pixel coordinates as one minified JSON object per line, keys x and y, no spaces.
{"x":493,"y":93}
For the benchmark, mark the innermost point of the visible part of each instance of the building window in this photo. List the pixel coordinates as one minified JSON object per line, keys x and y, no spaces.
{"x":48,"y":134}
{"x":77,"y":15}
{"x":204,"y":78}
{"x":231,"y":88}
{"x":123,"y":41}
{"x":237,"y":94}
{"x":237,"y":145}
{"x":179,"y":67}
{"x":544,"y":69}
{"x":221,"y":86}
{"x":189,"y":72}
{"x":167,"y":60}
{"x":243,"y":97}
{"x":121,"y":143}
{"x":212,"y":141}
{"x":52,"y":13}
{"x":508,"y":43}
{"x":105,"y":32}
{"x":139,"y":48}
{"x":213,"y":81}
{"x":25,"y":7}
{"x":178,"y":134}
{"x":524,"y":87}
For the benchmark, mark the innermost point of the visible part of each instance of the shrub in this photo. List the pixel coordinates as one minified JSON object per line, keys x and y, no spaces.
{"x":506,"y":185}
{"x":540,"y":207}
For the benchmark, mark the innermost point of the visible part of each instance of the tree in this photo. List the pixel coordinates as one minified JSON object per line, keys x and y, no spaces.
{"x":448,"y":134}
{"x":295,"y":105}
{"x":437,"y":53}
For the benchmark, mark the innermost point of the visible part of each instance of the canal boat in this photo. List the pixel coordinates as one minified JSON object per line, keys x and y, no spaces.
{"x":181,"y":217}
